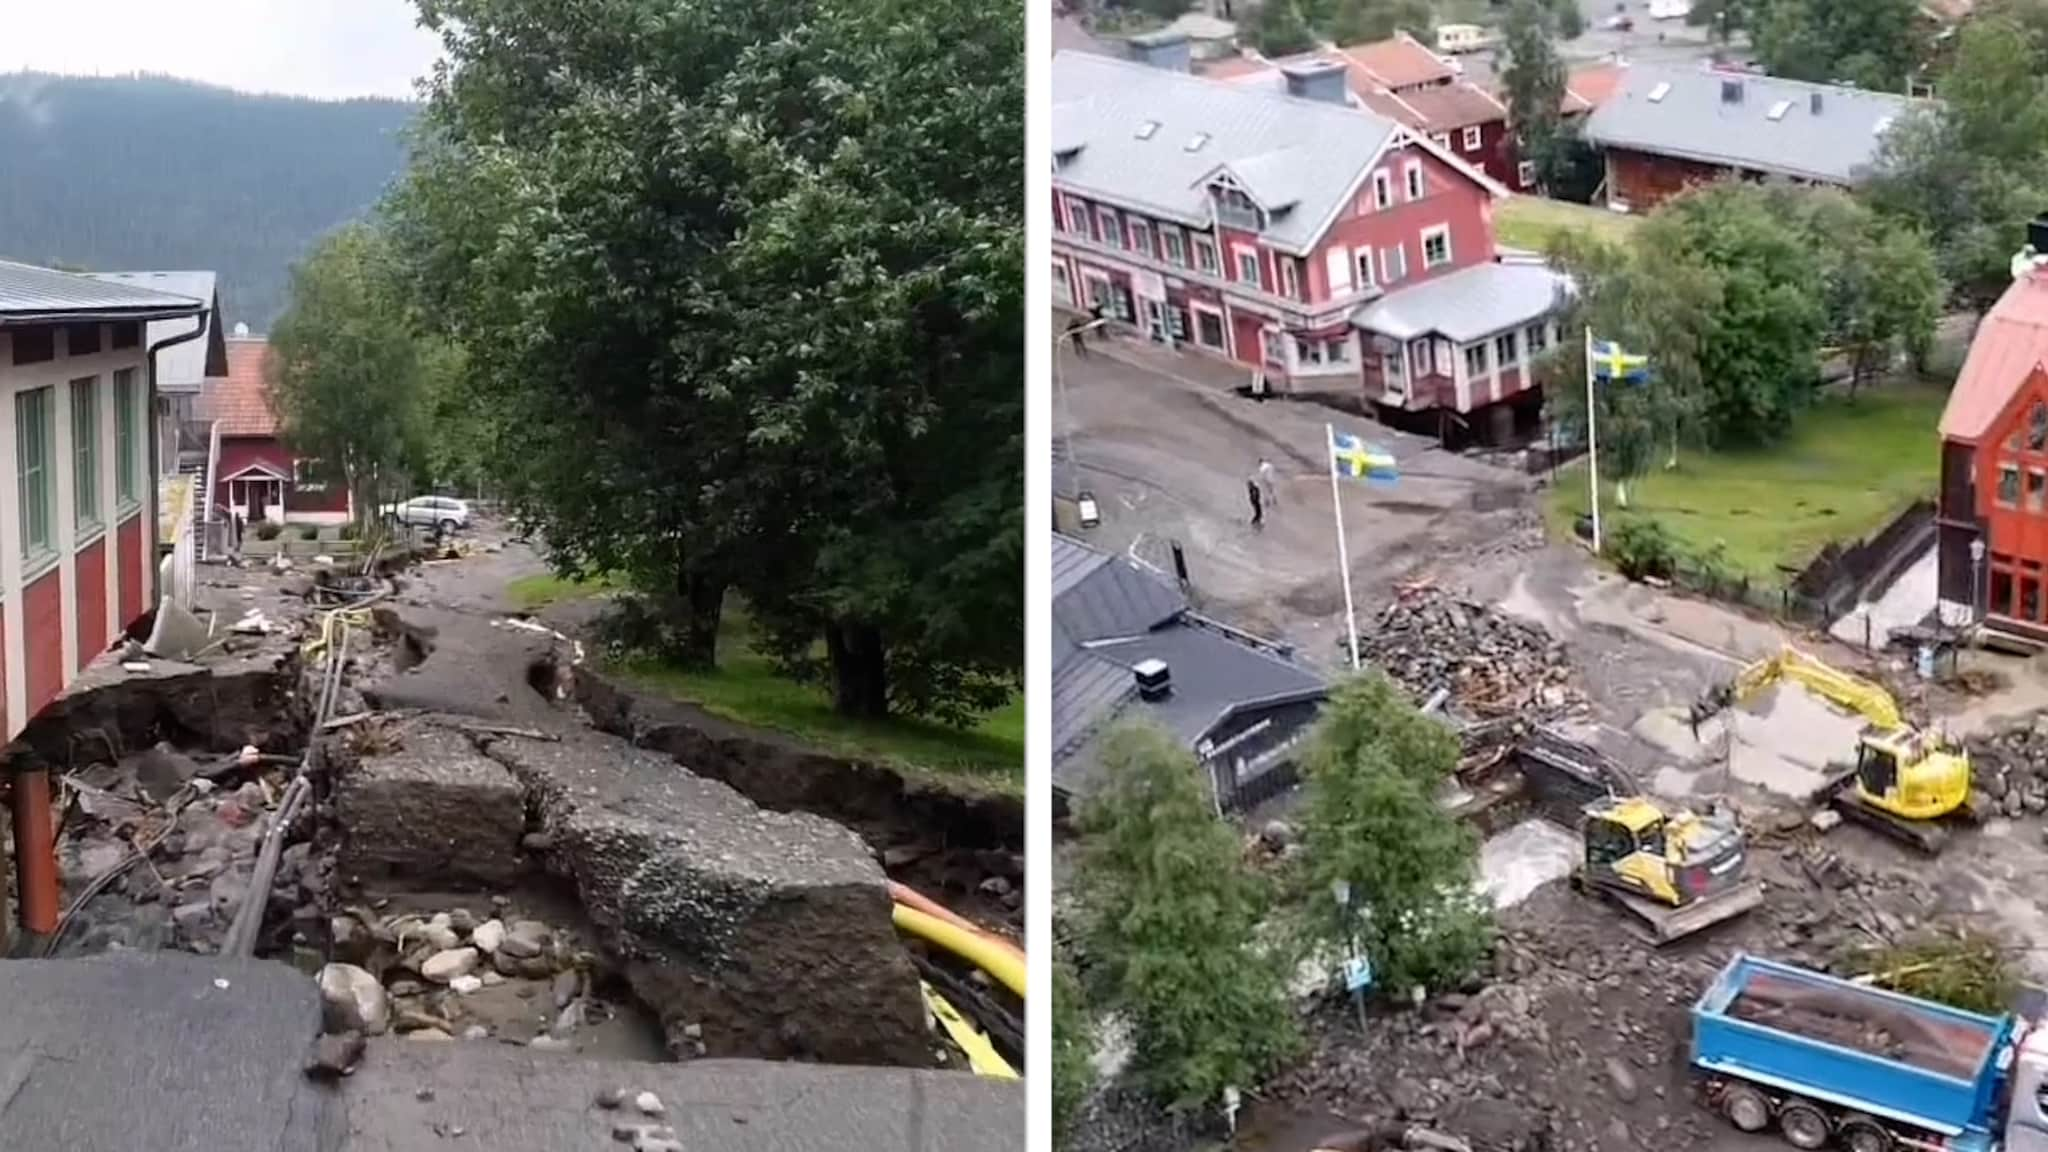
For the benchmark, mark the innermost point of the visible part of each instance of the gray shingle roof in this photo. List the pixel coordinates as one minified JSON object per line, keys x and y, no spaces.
{"x":1468,"y":304}
{"x":1303,"y":150}
{"x":181,"y":367}
{"x":1126,"y":615}
{"x":1694,"y":121}
{"x":44,"y":294}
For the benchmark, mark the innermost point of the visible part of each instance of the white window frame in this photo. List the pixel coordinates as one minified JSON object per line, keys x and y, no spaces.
{"x":1419,"y":359}
{"x":1485,"y":350}
{"x":1412,"y":182}
{"x":1270,"y":339}
{"x":1062,"y":281}
{"x":1112,"y":226}
{"x":1078,"y":220}
{"x":1140,"y":228}
{"x":1308,"y":352}
{"x":36,"y":464}
{"x":1525,"y":173}
{"x":1382,"y":190}
{"x":1366,"y":272}
{"x":1337,"y":350}
{"x":1436,"y":232}
{"x":1536,"y":339}
{"x":88,"y":504}
{"x":1290,"y":277}
{"x":1090,"y":297}
{"x":1506,"y":361}
{"x":128,"y":449}
{"x":1337,"y":270}
{"x":1197,"y":311}
{"x":1206,"y":257}
{"x":1173,"y":245}
{"x":1473,"y":138}
{"x":1237,"y":254}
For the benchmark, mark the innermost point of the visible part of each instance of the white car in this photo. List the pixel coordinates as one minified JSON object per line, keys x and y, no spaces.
{"x":443,"y":512}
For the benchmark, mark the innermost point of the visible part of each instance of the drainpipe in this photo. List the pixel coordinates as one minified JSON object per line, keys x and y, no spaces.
{"x":155,"y":441}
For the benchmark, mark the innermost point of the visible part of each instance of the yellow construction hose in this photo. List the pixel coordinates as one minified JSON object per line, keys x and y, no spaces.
{"x":982,"y":1056}
{"x":976,"y":949}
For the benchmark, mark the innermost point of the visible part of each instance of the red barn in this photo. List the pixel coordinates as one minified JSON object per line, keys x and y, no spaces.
{"x":256,"y":476}
{"x":1993,"y":515}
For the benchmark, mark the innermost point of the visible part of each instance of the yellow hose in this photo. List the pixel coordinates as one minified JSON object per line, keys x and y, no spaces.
{"x":1007,"y":967}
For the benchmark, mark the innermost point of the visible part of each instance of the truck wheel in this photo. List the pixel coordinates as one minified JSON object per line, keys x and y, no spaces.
{"x":1745,"y":1108}
{"x":1863,"y":1134}
{"x":1805,"y":1126}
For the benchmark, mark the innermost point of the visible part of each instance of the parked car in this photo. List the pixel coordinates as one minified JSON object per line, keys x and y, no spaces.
{"x":1619,"y":22}
{"x":443,"y":512}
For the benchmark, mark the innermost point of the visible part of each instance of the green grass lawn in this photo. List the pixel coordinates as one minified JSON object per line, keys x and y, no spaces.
{"x":1530,"y":221}
{"x":745,"y":689}
{"x":1847,"y":468}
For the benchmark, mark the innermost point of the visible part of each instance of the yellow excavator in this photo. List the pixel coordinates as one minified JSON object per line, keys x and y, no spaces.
{"x":1676,"y":872}
{"x":1906,"y":783}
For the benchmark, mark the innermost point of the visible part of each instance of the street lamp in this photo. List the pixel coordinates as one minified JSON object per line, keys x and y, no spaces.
{"x":1976,"y":579}
{"x":1059,"y":388}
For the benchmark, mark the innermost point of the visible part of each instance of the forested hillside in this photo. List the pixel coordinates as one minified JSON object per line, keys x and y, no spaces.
{"x":151,"y":172}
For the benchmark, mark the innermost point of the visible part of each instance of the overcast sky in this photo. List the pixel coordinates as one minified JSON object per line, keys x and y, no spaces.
{"x":326,"y":48}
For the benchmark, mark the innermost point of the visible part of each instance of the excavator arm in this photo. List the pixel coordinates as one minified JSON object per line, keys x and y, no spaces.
{"x":1863,"y":697}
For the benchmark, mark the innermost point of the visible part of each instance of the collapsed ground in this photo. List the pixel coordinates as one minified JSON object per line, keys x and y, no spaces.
{"x":509,"y":846}
{"x":1576,"y":1036}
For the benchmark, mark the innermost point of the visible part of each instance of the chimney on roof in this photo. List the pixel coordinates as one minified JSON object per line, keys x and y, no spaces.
{"x":1317,"y":79}
{"x":2034,"y":255}
{"x":1162,"y":49}
{"x":2037,"y":232}
{"x":1731,"y":90}
{"x":1813,"y":103}
{"x":1155,"y":679}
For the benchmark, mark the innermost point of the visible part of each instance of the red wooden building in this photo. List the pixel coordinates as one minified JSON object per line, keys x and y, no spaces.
{"x":78,"y":525}
{"x":256,"y":476}
{"x":1993,"y":513}
{"x":1325,"y":245}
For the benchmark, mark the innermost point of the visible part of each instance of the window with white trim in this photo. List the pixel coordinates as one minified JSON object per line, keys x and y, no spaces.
{"x":1141,"y":237}
{"x":1272,"y":349}
{"x":1412,"y":175}
{"x":1308,"y":351}
{"x":127,"y":441}
{"x":1205,"y":255}
{"x":1525,"y":172}
{"x":1436,"y":246}
{"x":1174,"y":245}
{"x":1337,"y":270}
{"x":1062,"y":282}
{"x":1367,"y":277}
{"x":1504,"y":351}
{"x":1418,"y":354}
{"x":1338,"y":351}
{"x":1537,"y":337}
{"x":1247,"y":266}
{"x":1475,"y":359}
{"x":1077,"y":218}
{"x":1112,"y":228}
{"x":1394,"y":264}
{"x":1208,"y":328}
{"x":85,"y":453}
{"x":308,"y":473}
{"x":1472,"y":138}
{"x":1290,"y":277}
{"x":1382,"y":191}
{"x":35,"y":440}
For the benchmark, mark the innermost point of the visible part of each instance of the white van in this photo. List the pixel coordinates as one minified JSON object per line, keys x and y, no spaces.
{"x":1456,"y":38}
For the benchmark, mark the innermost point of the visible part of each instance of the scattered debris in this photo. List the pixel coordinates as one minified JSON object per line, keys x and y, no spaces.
{"x":1492,"y":664}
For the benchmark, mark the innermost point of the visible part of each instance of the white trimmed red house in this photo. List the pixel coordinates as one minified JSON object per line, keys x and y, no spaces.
{"x":256,"y":476}
{"x":1329,"y":247}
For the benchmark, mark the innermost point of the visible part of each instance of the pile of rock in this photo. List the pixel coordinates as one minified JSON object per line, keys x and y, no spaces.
{"x":1492,"y":664}
{"x":2010,"y":764}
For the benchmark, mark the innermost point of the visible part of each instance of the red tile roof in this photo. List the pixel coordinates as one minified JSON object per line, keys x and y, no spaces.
{"x":241,"y":403}
{"x":1451,"y":106}
{"x":1399,"y":63}
{"x":1588,"y":88}
{"x":1442,"y":108}
{"x":1233,"y":67}
{"x":2010,"y":344}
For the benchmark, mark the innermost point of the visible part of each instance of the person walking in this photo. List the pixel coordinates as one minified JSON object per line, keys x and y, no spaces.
{"x":1077,"y":331}
{"x":1251,"y":491}
{"x":1268,"y":477}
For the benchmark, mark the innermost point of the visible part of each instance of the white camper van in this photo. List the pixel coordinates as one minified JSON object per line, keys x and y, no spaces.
{"x":1457,"y":38}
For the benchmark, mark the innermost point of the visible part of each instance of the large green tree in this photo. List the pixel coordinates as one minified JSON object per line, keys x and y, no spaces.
{"x":744,"y":285}
{"x":1867,"y":43}
{"x":1169,"y":919}
{"x":1724,"y":18}
{"x":1534,"y":83}
{"x":345,"y":366}
{"x":1375,"y":831}
{"x":1882,"y":293}
{"x":1970,"y":171}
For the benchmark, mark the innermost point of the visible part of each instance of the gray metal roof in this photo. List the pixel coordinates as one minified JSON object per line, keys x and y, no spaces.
{"x":1108,"y":615}
{"x":44,"y":294}
{"x":181,"y":367}
{"x":1469,"y":304}
{"x":1694,"y":120}
{"x":1303,"y":153}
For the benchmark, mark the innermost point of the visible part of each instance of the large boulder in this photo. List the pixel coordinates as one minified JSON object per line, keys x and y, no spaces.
{"x":432,"y":807}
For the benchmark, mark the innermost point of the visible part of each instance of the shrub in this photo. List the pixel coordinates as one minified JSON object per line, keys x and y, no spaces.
{"x":268,"y":529}
{"x":349,"y":531}
{"x":1642,"y":548}
{"x":309,"y":532}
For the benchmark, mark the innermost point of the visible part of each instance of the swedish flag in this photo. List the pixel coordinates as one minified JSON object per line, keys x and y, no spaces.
{"x":1358,"y":459}
{"x":1608,"y":361}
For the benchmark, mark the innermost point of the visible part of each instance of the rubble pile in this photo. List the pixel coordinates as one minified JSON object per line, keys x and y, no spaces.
{"x":1492,"y":664}
{"x":2010,"y":764}
{"x":462,"y":974}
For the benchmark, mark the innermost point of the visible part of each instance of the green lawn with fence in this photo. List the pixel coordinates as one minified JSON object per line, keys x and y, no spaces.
{"x":1847,"y":468}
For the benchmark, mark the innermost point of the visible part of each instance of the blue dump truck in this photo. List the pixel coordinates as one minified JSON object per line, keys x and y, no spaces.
{"x":1832,"y":1061}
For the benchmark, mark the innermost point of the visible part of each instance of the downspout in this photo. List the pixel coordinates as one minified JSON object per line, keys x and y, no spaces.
{"x":150,"y":526}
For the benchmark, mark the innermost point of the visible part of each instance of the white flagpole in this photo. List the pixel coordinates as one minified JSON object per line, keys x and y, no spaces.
{"x":1343,"y":554}
{"x":1592,"y":442}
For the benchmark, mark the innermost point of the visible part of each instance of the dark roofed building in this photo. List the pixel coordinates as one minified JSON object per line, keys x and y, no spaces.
{"x":1665,"y":129}
{"x":1127,"y":645}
